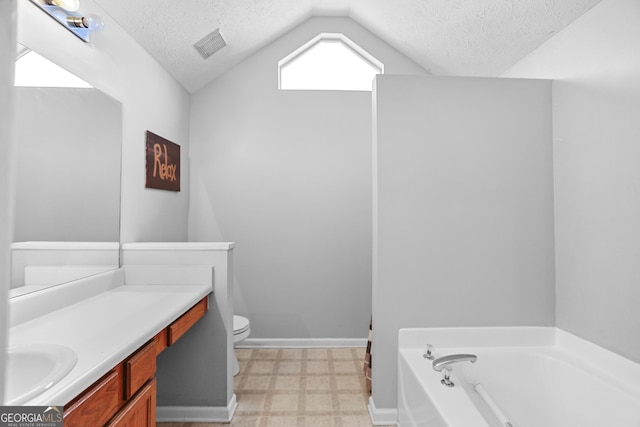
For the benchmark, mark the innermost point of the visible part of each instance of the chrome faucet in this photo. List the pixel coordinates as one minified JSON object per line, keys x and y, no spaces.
{"x":441,"y":364}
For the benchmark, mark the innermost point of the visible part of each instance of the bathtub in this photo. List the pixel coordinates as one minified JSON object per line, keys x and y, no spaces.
{"x":523,"y":377}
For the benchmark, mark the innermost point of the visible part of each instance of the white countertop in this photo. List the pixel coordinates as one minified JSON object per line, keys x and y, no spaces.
{"x":103,"y":330}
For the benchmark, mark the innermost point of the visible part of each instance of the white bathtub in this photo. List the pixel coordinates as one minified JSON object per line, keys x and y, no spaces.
{"x":534,"y":377}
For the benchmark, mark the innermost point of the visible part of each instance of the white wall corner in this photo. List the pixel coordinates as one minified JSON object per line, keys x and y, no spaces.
{"x":382,"y":416}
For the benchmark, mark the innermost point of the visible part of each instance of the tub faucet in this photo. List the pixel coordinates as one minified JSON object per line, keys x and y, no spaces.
{"x":443,"y":362}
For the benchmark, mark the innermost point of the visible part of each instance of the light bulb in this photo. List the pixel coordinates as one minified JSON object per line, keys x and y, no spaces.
{"x":93,"y":22}
{"x":70,"y":5}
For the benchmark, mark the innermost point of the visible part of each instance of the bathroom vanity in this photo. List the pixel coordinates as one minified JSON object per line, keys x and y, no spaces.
{"x":126,"y":395}
{"x":171,"y":300}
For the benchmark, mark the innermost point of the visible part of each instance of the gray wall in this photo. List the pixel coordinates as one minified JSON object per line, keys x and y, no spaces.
{"x":151,"y":100}
{"x":67,"y":174}
{"x":595,"y":64}
{"x":287,"y":176}
{"x":463,"y":221}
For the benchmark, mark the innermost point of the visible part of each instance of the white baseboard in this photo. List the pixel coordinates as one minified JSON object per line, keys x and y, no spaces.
{"x":382,"y":417}
{"x":197,"y":414}
{"x":302,"y":342}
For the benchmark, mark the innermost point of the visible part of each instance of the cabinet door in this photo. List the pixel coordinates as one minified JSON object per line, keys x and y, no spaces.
{"x":139,"y":411}
{"x":97,"y":404}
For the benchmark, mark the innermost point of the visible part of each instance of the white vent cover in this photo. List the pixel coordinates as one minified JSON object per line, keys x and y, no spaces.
{"x":210,"y":44}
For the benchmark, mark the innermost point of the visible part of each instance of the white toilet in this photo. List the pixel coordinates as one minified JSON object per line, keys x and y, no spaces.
{"x":240,"y":332}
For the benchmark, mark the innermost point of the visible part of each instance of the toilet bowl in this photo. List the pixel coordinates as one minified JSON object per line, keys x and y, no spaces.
{"x":240,"y":332}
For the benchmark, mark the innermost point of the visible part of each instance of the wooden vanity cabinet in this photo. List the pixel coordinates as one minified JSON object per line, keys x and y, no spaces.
{"x":126,"y":395}
{"x":161,"y":341}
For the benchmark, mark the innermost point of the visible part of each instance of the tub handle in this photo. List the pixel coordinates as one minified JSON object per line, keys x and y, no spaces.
{"x":446,"y":377}
{"x":428,"y":352}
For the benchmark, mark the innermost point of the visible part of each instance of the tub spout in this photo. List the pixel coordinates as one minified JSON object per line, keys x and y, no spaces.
{"x":443,"y":362}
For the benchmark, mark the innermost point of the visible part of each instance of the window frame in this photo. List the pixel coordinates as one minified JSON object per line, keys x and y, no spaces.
{"x":332,"y":37}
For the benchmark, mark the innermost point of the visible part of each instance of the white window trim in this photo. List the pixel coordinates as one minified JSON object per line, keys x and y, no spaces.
{"x":366,"y":56}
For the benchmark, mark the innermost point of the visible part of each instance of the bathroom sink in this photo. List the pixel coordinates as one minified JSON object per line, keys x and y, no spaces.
{"x":32,"y":369}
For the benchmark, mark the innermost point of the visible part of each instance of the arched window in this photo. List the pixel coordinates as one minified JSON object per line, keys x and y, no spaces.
{"x":329,"y":62}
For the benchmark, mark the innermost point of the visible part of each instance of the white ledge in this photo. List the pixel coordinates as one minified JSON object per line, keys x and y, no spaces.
{"x":85,"y":246}
{"x":178,"y":246}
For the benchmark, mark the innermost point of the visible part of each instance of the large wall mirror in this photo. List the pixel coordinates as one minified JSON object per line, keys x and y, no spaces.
{"x":67,"y":151}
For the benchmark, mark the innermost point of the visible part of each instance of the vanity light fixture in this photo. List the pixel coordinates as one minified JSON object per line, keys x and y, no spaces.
{"x":92,"y":22}
{"x":65,"y":12}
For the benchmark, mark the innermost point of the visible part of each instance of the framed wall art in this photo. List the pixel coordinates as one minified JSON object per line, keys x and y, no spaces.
{"x":163,"y":163}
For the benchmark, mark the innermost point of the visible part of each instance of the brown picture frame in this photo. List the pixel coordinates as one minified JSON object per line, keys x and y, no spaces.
{"x":163,"y":163}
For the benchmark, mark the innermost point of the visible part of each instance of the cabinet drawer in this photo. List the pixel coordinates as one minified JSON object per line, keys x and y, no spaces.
{"x":139,"y":368}
{"x":187,"y":320}
{"x":97,"y":404}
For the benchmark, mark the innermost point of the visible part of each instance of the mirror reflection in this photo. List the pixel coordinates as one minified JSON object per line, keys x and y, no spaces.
{"x":67,"y":152}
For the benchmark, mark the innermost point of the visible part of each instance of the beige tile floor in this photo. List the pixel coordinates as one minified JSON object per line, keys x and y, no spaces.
{"x":298,"y":388}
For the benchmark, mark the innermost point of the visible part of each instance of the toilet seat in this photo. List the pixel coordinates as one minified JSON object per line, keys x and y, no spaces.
{"x":240,"y":328}
{"x":240,"y":332}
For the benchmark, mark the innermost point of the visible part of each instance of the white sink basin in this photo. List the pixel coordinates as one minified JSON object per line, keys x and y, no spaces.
{"x":32,"y":369}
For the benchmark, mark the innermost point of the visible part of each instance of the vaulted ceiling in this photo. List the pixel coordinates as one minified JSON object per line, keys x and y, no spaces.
{"x":446,"y":37}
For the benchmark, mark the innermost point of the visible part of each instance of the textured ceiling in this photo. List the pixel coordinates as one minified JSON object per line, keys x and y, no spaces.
{"x":446,"y":37}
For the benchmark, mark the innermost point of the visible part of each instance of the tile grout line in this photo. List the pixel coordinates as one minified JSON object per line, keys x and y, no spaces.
{"x":263,"y":418}
{"x":302,"y":397}
{"x":333,"y":385}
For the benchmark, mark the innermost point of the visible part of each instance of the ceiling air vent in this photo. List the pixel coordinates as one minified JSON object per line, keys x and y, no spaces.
{"x":210,"y":44}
